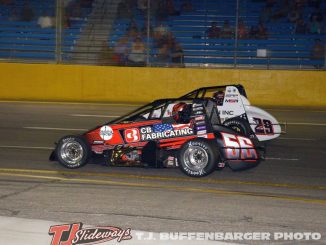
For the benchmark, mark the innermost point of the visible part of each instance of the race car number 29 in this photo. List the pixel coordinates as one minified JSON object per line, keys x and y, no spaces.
{"x":264,"y":126}
{"x":239,"y":148}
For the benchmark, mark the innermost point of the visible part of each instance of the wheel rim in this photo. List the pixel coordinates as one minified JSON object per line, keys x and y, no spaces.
{"x":195,"y":158}
{"x":71,"y":152}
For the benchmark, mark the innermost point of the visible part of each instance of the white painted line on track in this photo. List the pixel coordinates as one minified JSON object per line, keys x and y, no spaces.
{"x":56,"y":129}
{"x":51,"y":148}
{"x":282,"y":159}
{"x":298,"y":110}
{"x":303,"y":139}
{"x":306,"y":124}
{"x":85,"y":115}
{"x":26,"y":147}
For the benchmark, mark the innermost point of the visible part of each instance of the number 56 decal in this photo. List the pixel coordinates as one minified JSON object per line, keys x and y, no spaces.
{"x":239,"y":148}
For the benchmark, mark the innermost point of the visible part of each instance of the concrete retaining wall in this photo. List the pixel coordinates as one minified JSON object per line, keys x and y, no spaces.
{"x":50,"y":82}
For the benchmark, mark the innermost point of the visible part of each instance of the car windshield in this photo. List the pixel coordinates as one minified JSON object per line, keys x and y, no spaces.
{"x":208,"y":92}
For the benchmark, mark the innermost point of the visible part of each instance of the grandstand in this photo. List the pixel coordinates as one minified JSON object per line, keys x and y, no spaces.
{"x":281,"y":48}
{"x":22,"y":39}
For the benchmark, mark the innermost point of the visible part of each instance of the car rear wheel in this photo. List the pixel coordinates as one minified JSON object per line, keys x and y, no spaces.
{"x":73,"y":151}
{"x":240,"y":126}
{"x":198,"y":157}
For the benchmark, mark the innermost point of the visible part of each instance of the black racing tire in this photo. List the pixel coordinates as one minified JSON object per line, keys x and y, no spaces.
{"x":198,"y":157}
{"x":72,"y":151}
{"x":238,"y":125}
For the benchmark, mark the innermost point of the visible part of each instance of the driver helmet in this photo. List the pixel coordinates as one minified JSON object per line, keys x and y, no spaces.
{"x":178,"y":108}
{"x":219,"y":97}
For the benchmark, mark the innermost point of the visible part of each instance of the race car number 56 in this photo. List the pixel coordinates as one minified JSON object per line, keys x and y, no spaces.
{"x":239,"y":148}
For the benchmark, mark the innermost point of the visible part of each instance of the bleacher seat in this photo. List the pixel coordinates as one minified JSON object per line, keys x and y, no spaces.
{"x":283,"y":47}
{"x":27,"y":40}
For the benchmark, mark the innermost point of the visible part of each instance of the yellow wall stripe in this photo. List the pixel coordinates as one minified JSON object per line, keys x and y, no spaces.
{"x":51,"y":82}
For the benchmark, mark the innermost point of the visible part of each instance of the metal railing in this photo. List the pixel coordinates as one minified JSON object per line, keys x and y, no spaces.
{"x":209,"y":33}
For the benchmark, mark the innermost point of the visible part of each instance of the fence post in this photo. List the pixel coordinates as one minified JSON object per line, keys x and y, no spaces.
{"x":148,"y":23}
{"x":236,"y":41}
{"x":58,"y":33}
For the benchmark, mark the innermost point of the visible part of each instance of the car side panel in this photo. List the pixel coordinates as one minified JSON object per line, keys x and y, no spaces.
{"x":237,"y":151}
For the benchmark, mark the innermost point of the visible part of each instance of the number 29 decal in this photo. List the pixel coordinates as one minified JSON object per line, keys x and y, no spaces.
{"x":239,"y":148}
{"x":264,"y":126}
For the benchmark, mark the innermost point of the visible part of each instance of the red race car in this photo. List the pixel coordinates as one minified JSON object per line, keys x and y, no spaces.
{"x":184,"y":133}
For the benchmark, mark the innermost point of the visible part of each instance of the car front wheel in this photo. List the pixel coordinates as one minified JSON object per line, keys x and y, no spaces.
{"x":72,"y":151}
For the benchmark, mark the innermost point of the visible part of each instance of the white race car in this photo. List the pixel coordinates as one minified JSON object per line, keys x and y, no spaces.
{"x":237,"y":113}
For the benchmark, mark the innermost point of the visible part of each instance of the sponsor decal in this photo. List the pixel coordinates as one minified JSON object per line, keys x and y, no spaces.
{"x":197,"y":105}
{"x":199,"y":123}
{"x":231,"y":90}
{"x":231,"y":100}
{"x":202,"y":132}
{"x":106,"y":132}
{"x":198,"y":109}
{"x":163,"y":131}
{"x":198,"y":112}
{"x":132,"y":135}
{"x":199,"y":118}
{"x":70,"y":234}
{"x":98,"y":142}
{"x":226,"y":113}
{"x":171,"y":161}
{"x":202,"y":136}
{"x":200,"y":127}
{"x":231,"y":95}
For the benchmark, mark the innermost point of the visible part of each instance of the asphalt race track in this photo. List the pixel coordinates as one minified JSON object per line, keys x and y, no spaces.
{"x":286,"y":193}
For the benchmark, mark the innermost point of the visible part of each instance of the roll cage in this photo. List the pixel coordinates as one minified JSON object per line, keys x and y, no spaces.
{"x":201,"y":93}
{"x":147,"y":112}
{"x":208,"y":91}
